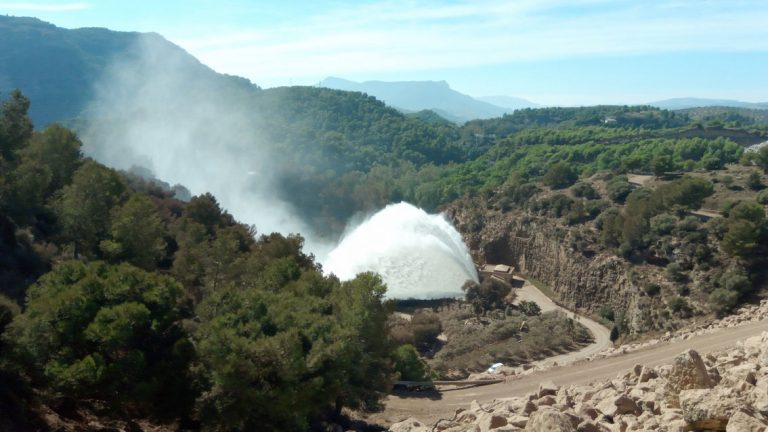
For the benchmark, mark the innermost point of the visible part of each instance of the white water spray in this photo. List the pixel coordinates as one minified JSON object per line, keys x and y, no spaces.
{"x":418,"y":255}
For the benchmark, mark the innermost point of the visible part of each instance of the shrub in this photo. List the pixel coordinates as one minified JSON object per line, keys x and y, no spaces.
{"x":529,"y":308}
{"x":425,"y":327}
{"x":663,"y":224}
{"x":560,"y":175}
{"x":614,"y":334}
{"x":679,"y":306}
{"x":607,"y":313}
{"x":737,"y":280}
{"x":585,"y":190}
{"x":618,"y":189}
{"x":662,"y":164}
{"x":488,"y":295}
{"x":409,"y":364}
{"x":755,"y":181}
{"x":675,"y":272}
{"x":722,"y":301}
{"x":652,"y":289}
{"x":762,"y":197}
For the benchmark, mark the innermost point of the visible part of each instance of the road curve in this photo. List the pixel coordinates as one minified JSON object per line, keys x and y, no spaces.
{"x":601,"y":334}
{"x":443,"y":406}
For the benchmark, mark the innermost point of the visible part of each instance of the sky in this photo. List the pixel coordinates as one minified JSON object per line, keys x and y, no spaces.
{"x":552,"y":52}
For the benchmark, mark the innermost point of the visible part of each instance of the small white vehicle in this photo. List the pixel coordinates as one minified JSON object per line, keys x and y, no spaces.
{"x":494,"y":368}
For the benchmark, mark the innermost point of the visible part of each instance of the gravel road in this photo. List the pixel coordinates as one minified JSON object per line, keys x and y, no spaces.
{"x":430,"y":407}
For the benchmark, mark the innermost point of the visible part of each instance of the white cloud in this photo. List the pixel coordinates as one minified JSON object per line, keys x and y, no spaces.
{"x":409,"y":35}
{"x":44,"y":7}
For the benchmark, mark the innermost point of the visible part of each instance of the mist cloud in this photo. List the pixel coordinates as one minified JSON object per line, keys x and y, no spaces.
{"x":158,"y":108}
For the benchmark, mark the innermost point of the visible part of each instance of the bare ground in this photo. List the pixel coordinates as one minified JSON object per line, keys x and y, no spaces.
{"x":430,"y":407}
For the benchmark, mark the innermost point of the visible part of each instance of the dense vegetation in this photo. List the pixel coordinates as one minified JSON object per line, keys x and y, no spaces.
{"x":344,"y":152}
{"x":138,"y":305}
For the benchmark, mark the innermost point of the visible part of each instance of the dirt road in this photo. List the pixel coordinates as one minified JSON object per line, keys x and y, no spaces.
{"x":431,"y":407}
{"x":599,"y":332}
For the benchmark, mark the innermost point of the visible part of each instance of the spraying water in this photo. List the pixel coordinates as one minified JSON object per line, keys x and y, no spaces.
{"x":417,"y":254}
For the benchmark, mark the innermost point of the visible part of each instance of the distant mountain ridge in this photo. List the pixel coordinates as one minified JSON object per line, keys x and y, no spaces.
{"x":691,"y":102}
{"x":510,"y":102}
{"x":57,"y":68}
{"x":437,"y":96}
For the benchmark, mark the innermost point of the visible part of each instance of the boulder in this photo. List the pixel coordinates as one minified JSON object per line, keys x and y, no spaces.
{"x":488,"y":422}
{"x":529,"y":408}
{"x":742,"y":421}
{"x":688,"y":372}
{"x":743,"y":372}
{"x":518,"y":421}
{"x":549,"y":420}
{"x":409,"y":425}
{"x":548,"y":388}
{"x":548,"y":400}
{"x":515,"y":404}
{"x":618,"y":405}
{"x":646,"y":374}
{"x":591,"y":426}
{"x":759,"y":396}
{"x":709,"y":409}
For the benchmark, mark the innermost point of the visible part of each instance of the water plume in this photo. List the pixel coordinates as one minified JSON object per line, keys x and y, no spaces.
{"x":158,"y":108}
{"x":417,"y":254}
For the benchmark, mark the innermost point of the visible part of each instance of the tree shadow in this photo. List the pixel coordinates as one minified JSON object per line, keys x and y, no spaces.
{"x":425,"y":393}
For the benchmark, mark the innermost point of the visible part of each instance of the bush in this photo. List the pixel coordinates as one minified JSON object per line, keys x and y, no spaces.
{"x":584,"y":190}
{"x":723,"y":301}
{"x":679,"y":306}
{"x":529,"y":308}
{"x":409,"y":364}
{"x":675,"y":272}
{"x":652,"y":289}
{"x":560,"y":175}
{"x":662,"y":164}
{"x":736,"y":280}
{"x":607,"y":313}
{"x":618,"y":189}
{"x":488,"y":295}
{"x":614,"y":334}
{"x":663,"y":224}
{"x":425,"y":327}
{"x":755,"y":181}
{"x":762,"y":197}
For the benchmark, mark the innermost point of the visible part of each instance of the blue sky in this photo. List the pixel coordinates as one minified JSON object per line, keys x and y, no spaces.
{"x":554,"y":52}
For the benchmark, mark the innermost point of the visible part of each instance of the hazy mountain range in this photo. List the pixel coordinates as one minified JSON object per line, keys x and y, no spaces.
{"x":58,"y":69}
{"x":690,"y":102}
{"x":437,"y":96}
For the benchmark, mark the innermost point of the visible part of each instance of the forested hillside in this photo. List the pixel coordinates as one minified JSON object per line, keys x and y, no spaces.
{"x":121,"y":302}
{"x":58,"y":68}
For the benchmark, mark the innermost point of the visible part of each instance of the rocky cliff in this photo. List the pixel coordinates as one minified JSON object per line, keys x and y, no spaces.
{"x":560,"y":257}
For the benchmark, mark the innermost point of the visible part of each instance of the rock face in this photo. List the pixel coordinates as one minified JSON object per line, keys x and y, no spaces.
{"x":568,"y":259}
{"x":677,"y":397}
{"x":688,"y":372}
{"x":549,"y":419}
{"x":540,"y":249}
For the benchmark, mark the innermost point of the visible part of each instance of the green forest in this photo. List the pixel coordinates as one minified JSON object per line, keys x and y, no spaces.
{"x":114,"y":291}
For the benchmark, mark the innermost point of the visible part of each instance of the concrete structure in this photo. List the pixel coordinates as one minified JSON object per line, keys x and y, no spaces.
{"x":498,"y":271}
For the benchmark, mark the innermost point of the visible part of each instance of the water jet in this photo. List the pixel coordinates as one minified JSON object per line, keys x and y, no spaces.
{"x":419,"y":255}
